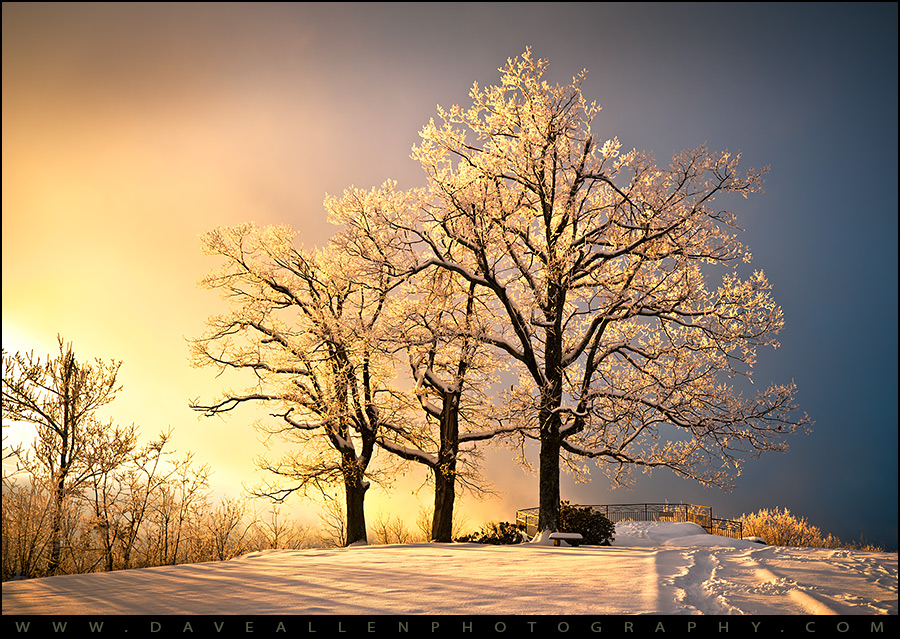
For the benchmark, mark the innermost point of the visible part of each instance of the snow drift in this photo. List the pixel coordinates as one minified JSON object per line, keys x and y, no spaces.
{"x":652,"y":568}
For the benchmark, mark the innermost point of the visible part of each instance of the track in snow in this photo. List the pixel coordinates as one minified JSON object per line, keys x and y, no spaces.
{"x":782,"y":581}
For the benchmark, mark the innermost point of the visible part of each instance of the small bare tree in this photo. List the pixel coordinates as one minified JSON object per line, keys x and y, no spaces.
{"x":228,"y":529}
{"x":390,"y":530}
{"x":333,"y":529}
{"x":277,"y":532}
{"x":27,"y":512}
{"x":121,"y":496}
{"x":60,"y":398}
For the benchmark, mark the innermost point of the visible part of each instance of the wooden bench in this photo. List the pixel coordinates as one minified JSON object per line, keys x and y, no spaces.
{"x":573,"y":539}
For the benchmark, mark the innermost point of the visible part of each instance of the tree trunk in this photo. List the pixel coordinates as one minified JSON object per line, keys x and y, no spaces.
{"x":548,"y":512}
{"x":444,"y":496}
{"x":68,"y":393}
{"x":59,"y":498}
{"x":53,"y":563}
{"x":551,"y":424}
{"x":445,"y":472}
{"x":355,"y":493}
{"x":108,"y":547}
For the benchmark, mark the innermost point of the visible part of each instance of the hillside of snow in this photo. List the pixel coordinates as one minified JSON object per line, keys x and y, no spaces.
{"x":655,"y":568}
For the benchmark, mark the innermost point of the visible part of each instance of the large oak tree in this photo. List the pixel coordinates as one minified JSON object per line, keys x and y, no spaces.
{"x":597,"y":264}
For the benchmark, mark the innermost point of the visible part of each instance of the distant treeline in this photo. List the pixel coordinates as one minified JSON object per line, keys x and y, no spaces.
{"x":161,"y":521}
{"x":137,"y":519}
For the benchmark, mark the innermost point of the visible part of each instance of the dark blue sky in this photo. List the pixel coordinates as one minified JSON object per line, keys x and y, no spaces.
{"x":133,"y":128}
{"x":811,"y":91}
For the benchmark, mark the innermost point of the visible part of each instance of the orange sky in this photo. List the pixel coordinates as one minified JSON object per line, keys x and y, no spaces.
{"x":130,"y":129}
{"x":126,"y":138}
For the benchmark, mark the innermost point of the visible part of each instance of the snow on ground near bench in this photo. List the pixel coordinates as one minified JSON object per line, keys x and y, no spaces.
{"x":666,"y":568}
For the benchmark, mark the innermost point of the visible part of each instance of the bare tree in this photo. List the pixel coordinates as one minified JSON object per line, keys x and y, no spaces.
{"x":121,"y":495}
{"x":135,"y":510}
{"x":27,"y":512}
{"x":173,"y":509}
{"x":333,"y":530}
{"x":60,"y":398}
{"x":228,"y":529}
{"x":390,"y":530}
{"x":106,"y":492}
{"x":278,"y":532}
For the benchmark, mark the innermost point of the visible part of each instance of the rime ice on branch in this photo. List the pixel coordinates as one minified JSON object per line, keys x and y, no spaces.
{"x":305,"y":327}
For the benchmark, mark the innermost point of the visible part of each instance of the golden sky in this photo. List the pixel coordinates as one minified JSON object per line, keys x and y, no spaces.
{"x":127,"y":133}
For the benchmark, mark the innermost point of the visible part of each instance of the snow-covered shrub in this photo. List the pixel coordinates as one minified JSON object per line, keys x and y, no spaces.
{"x":497,"y":533}
{"x":781,"y":528}
{"x":594,"y":527}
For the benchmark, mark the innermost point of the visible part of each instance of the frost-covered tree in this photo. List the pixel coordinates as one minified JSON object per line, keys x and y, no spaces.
{"x":60,"y":397}
{"x":435,"y":322}
{"x":171,"y":520}
{"x":306,"y":326}
{"x":26,"y":517}
{"x":449,"y":373}
{"x":123,"y":498}
{"x":595,"y":265}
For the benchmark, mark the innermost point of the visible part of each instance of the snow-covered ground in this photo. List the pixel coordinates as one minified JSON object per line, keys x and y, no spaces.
{"x":656,"y":568}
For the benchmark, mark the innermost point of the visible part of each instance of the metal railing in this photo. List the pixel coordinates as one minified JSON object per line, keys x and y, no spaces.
{"x":527,"y":518}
